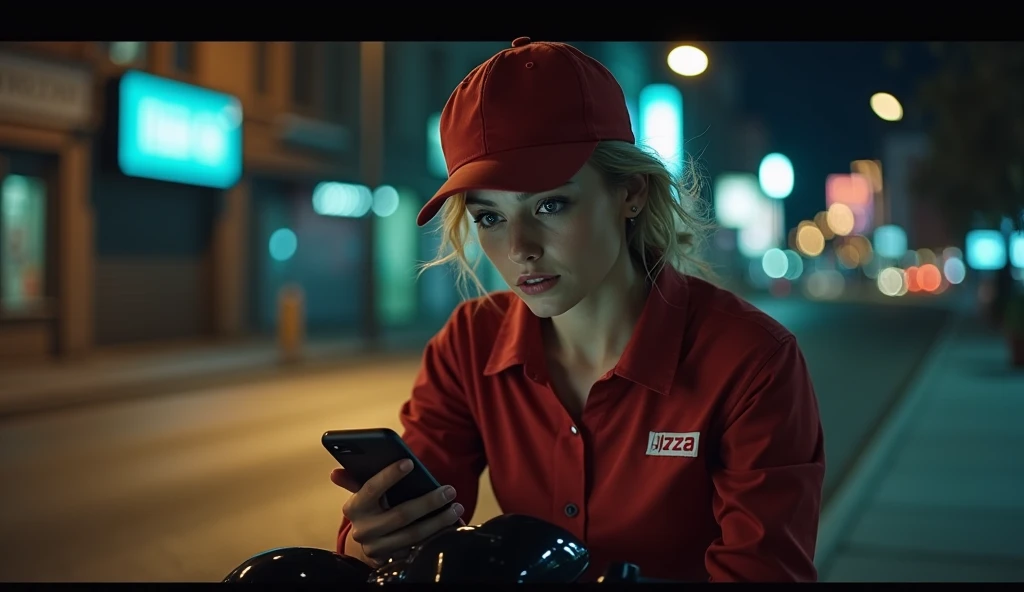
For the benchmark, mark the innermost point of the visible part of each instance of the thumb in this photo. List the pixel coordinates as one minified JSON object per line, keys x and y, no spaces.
{"x":342,"y":479}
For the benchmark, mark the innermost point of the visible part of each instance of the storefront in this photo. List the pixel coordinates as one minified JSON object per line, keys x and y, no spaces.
{"x":315,"y":235}
{"x":46,"y":116}
{"x":169,"y":152}
{"x":291,"y":243}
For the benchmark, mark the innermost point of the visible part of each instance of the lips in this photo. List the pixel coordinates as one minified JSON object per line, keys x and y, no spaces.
{"x":534,"y":278}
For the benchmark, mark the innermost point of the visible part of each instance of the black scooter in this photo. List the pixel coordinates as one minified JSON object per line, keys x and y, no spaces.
{"x":511,"y":548}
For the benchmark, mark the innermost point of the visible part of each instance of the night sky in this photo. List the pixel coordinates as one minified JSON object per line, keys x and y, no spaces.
{"x":814,"y":99}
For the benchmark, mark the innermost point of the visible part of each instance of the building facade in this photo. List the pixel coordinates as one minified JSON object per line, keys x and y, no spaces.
{"x":48,"y":115}
{"x":93,"y":256}
{"x":338,"y":150}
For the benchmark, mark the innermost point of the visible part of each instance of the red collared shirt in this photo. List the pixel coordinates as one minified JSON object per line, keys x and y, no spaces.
{"x":699,"y":457}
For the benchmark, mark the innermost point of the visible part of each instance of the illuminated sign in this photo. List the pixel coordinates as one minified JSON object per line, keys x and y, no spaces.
{"x":435,"y":155}
{"x":661,"y":123}
{"x":172,"y":131}
{"x":854,"y":191}
{"x":870,"y":170}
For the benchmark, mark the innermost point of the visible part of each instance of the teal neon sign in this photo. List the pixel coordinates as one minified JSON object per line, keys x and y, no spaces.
{"x":172,"y":131}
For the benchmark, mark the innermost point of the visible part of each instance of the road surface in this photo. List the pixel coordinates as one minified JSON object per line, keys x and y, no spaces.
{"x":183,"y":487}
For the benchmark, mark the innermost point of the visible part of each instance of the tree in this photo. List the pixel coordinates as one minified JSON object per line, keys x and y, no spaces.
{"x":974,"y":107}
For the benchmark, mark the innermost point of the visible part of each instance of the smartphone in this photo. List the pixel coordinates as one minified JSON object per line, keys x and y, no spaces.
{"x":366,"y":452}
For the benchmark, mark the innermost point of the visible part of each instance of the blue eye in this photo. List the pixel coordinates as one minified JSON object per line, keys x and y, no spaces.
{"x":486,"y":220}
{"x":551,"y":206}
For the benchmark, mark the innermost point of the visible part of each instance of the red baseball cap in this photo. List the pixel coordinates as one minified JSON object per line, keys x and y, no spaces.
{"x":527,"y":119}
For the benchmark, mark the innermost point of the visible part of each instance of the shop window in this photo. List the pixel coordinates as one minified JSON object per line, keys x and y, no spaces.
{"x":22,"y":244}
{"x":397,"y":255}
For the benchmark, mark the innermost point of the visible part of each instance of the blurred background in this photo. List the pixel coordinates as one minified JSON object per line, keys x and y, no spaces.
{"x":208,"y":257}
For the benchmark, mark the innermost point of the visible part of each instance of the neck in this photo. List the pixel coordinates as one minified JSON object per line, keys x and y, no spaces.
{"x":595,"y":332}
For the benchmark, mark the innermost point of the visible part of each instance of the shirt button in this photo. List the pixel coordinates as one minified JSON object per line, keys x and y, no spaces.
{"x":574,"y":430}
{"x":571,"y":510}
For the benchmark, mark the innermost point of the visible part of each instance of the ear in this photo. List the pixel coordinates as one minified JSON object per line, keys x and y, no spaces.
{"x":635,"y":196}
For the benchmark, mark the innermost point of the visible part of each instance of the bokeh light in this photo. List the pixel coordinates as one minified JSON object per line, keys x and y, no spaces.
{"x":776,"y":176}
{"x":886,"y":106}
{"x":385,"y":201}
{"x":687,"y":60}
{"x":928,"y":277}
{"x":775,"y":263}
{"x":810,"y":241}
{"x":283,"y":244}
{"x":840,"y":219}
{"x":891,"y":282}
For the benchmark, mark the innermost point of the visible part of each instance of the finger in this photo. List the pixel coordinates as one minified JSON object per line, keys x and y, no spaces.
{"x":367,"y":498}
{"x":342,"y":479}
{"x":406,"y":513}
{"x":413,"y":534}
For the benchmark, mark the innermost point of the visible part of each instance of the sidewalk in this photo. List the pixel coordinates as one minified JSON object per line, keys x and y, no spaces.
{"x":939,"y":494}
{"x":124,"y":372}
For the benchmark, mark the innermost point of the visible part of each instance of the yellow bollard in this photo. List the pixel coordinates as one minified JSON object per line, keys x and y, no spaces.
{"x":290,"y":323}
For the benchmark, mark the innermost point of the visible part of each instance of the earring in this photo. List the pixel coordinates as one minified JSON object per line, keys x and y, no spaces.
{"x":633,"y":209}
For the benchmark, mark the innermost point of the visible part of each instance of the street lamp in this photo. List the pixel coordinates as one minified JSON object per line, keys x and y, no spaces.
{"x":886,"y":106}
{"x":687,"y":60}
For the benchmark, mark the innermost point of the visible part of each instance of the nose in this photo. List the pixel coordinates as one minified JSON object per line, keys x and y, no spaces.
{"x":522,"y":246}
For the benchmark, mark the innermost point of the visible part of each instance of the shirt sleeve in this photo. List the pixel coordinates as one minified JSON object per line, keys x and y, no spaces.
{"x":439,"y":427}
{"x":768,"y":482}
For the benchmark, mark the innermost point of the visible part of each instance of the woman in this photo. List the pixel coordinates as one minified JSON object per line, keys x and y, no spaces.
{"x":662,"y":420}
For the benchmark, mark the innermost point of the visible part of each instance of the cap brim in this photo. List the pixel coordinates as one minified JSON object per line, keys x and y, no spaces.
{"x":534,"y":169}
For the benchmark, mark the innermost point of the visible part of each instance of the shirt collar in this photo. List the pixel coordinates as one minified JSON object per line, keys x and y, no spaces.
{"x":650,"y":359}
{"x":518,"y":342}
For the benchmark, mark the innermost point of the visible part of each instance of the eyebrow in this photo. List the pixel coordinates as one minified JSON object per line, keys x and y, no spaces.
{"x":474,"y":200}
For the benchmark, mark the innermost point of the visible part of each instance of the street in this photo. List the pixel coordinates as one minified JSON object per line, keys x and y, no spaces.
{"x":183,"y":487}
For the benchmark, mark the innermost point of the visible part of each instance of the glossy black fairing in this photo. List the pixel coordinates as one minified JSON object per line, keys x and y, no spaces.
{"x":300,"y":565}
{"x":508,"y":548}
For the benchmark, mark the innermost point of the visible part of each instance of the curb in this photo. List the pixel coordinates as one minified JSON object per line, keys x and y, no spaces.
{"x":850,"y":498}
{"x":61,"y":399}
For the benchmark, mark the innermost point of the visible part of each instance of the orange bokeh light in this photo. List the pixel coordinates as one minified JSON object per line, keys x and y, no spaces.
{"x":912,"y":283}
{"x":929,"y":278}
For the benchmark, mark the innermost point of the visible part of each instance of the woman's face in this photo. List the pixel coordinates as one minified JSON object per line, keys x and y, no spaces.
{"x":554,"y":248}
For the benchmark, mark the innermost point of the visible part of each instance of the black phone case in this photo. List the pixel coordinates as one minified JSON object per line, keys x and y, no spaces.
{"x":365,"y":452}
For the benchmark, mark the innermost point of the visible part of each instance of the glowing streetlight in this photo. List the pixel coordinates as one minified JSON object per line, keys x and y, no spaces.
{"x":687,"y":60}
{"x":886,"y":106}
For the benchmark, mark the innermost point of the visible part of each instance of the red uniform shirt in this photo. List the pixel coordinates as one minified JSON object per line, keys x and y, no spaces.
{"x":699,"y":456}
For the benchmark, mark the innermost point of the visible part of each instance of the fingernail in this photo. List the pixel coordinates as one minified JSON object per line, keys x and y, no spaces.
{"x":405,"y":465}
{"x":449,"y":493}
{"x":458,"y":509}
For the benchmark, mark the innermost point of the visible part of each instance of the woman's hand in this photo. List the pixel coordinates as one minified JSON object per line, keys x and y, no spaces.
{"x":379,"y":532}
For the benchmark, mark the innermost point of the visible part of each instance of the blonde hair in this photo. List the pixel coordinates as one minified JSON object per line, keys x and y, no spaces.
{"x":670,"y":229}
